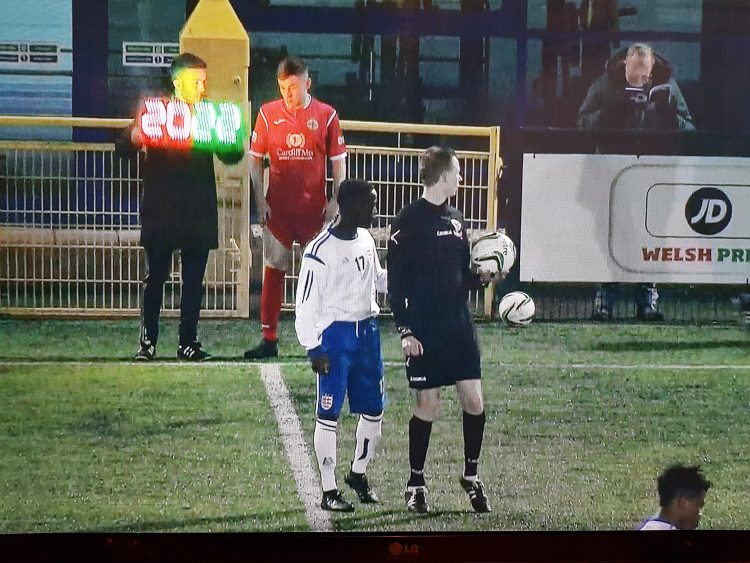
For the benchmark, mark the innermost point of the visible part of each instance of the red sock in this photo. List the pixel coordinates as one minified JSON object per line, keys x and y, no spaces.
{"x":270,"y":302}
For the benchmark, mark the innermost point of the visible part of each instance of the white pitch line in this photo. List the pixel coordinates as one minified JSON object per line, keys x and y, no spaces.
{"x":290,"y":430}
{"x":487,"y":365}
{"x":626,"y":366}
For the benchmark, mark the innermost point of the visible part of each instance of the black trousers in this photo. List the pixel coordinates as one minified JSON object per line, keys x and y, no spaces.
{"x":159,"y":262}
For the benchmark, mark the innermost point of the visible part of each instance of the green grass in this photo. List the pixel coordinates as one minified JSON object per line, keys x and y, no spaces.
{"x":131,"y":448}
{"x":573,"y":441}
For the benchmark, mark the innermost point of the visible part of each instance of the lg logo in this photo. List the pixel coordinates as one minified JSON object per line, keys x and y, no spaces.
{"x":708,"y":211}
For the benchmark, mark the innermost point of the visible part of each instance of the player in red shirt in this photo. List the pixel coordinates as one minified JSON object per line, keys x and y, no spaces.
{"x":298,"y":133}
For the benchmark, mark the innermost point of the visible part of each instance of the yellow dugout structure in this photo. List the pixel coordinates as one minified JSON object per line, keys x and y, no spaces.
{"x":214,"y":33}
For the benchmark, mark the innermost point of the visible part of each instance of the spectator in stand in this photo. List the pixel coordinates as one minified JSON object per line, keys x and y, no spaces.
{"x":635,"y":92}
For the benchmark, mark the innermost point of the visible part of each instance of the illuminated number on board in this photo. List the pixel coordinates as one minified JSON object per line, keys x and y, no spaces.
{"x":203,"y":122}
{"x":153,"y":119}
{"x":228,"y":123}
{"x":211,"y":126}
{"x":178,"y":120}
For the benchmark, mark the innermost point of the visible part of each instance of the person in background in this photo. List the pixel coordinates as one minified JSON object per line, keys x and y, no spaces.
{"x":635,"y":92}
{"x":299,"y":133}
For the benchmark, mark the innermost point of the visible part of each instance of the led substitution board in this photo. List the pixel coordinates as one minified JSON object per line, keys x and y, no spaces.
{"x":210,"y":126}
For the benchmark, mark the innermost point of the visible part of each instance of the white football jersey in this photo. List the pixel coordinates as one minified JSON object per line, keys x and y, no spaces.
{"x":337,"y":282}
{"x":654,"y":523}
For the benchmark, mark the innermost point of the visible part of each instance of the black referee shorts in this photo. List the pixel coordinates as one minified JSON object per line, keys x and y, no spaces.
{"x":451,"y":350}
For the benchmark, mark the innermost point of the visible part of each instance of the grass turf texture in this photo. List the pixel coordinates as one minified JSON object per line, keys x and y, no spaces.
{"x":111,"y":446}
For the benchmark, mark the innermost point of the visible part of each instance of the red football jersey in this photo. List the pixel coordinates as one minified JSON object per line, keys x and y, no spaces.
{"x":298,"y":145}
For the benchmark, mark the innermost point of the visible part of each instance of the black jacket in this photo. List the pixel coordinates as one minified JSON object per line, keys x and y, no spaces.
{"x":609,"y":105}
{"x":429,"y":264}
{"x":178,"y":208}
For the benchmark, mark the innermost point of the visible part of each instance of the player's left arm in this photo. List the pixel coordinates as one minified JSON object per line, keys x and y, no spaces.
{"x":338,"y":173}
{"x":472,"y":280}
{"x":381,"y":274}
{"x":308,"y":307}
{"x":336,"y":151}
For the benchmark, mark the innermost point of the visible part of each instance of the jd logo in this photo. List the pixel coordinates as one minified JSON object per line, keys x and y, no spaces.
{"x":708,"y":211}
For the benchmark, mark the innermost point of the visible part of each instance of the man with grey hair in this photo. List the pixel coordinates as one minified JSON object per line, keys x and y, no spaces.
{"x":635,"y":92}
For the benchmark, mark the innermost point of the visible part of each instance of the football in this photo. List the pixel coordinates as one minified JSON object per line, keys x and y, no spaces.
{"x":493,"y":253}
{"x":517,"y":308}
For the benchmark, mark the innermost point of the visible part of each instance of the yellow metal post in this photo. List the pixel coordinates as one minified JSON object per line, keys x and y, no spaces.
{"x":214,"y":32}
{"x":493,"y":179}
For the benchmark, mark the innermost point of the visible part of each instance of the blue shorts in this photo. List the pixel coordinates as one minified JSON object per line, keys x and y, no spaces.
{"x":356,"y":370}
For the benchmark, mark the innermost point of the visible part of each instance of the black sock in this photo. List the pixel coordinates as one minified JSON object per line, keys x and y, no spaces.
{"x":473,"y":434}
{"x":419,"y":440}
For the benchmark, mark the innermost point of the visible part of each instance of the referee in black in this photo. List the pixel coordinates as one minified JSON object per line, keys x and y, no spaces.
{"x":429,"y":281}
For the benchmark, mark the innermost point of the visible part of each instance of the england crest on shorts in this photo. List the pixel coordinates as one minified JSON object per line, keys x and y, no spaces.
{"x":326,"y":401}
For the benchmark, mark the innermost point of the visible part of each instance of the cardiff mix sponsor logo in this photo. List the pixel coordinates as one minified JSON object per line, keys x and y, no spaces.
{"x":708,"y":211}
{"x":295,"y":140}
{"x":296,"y":150}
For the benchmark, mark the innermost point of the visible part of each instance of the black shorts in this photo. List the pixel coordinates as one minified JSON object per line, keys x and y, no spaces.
{"x":451,"y":351}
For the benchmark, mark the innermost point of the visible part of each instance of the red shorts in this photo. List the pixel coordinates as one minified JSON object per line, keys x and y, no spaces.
{"x":287,"y":228}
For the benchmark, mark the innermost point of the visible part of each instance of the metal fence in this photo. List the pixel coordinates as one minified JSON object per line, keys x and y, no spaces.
{"x":393,"y":170}
{"x":69,"y":236}
{"x":679,"y":303}
{"x":69,"y":217}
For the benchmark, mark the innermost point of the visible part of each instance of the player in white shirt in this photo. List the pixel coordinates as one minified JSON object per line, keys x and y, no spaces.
{"x":336,"y":322}
{"x":682,"y":494}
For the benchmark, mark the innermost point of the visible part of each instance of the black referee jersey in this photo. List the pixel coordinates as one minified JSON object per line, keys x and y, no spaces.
{"x":429,"y":279}
{"x":429,"y":274}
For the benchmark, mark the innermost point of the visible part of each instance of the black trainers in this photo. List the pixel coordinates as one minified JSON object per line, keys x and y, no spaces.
{"x":146,"y":351}
{"x":358,"y":482}
{"x":192,"y":352}
{"x":333,"y":501}
{"x":649,"y":314}
{"x":601,"y":314}
{"x":475,"y":489}
{"x":266,"y":349}
{"x":416,"y":499}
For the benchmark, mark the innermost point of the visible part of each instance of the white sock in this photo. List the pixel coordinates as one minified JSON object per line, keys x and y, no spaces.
{"x":325,"y":450}
{"x":368,"y":438}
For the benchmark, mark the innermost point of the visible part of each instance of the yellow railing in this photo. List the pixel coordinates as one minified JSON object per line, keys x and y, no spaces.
{"x":57,"y":261}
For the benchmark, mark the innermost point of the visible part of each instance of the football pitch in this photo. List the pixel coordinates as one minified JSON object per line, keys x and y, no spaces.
{"x":581,"y":418}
